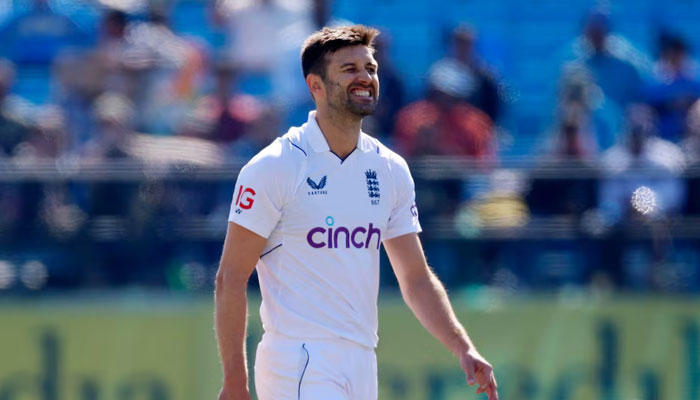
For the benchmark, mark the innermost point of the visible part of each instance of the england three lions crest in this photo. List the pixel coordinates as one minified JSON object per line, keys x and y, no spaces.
{"x":372,"y":186}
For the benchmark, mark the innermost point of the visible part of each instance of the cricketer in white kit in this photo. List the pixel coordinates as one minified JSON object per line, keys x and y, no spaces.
{"x":310,"y":212}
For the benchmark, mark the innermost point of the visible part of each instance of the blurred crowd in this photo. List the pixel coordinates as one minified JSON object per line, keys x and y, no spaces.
{"x":136,"y":90}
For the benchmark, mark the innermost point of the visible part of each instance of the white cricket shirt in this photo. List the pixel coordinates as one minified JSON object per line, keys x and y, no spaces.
{"x":324,"y":220}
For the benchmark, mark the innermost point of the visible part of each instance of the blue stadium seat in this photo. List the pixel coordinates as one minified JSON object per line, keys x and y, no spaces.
{"x":189,"y":17}
{"x":33,"y":83}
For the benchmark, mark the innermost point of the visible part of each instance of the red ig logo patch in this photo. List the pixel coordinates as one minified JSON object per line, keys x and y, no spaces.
{"x":245,"y":198}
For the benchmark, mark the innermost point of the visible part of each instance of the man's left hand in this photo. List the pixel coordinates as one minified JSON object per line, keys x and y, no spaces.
{"x":479,"y":371}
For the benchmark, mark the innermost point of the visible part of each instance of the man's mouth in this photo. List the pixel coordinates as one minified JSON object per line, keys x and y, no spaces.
{"x":364,"y":93}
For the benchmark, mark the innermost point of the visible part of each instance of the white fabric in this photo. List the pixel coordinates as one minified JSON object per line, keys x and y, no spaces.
{"x":319,"y":272}
{"x":331,"y":369}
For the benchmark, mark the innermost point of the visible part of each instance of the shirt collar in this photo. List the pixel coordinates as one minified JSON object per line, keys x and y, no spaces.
{"x":318,"y":141}
{"x":314,"y":134}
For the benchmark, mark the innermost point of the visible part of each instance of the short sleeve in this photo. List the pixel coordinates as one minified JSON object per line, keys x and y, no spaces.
{"x":261,"y":192}
{"x":404,"y":214}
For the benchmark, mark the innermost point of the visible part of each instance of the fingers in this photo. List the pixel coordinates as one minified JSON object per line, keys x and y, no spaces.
{"x":486,"y":381}
{"x":492,"y":394}
{"x":489,"y":389}
{"x":483,"y":374}
{"x":492,"y":389}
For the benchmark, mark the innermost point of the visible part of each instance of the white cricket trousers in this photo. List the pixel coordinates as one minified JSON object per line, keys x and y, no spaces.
{"x":328,"y":369}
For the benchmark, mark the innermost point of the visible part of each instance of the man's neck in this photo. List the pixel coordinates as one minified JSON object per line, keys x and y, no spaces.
{"x":341,"y":131}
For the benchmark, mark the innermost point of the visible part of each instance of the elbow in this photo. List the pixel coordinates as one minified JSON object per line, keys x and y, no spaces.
{"x":417,"y":286}
{"x":220,"y":280}
{"x":228,"y":281}
{"x":410,"y":290}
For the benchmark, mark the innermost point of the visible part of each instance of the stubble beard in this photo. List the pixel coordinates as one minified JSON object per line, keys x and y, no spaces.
{"x":361,"y":110}
{"x":342,"y":102}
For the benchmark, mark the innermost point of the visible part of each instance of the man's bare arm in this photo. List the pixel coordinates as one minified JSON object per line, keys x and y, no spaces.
{"x":242,"y":249}
{"x":427,"y":298}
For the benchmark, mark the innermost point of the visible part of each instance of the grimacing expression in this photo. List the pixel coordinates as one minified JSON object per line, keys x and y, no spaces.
{"x":351,"y":82}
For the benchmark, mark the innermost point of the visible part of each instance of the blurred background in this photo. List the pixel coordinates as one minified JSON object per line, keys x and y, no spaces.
{"x":555,"y":148}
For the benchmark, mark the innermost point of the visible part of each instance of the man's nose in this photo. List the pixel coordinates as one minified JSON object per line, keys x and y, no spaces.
{"x":364,"y":77}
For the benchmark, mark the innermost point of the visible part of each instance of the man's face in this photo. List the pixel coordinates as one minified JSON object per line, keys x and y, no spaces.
{"x":351,"y":82}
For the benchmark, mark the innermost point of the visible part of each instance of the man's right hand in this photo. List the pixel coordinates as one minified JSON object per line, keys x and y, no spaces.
{"x":242,"y":249}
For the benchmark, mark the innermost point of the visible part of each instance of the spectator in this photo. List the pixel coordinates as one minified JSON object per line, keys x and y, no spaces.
{"x":239,"y":123}
{"x":613,"y":63}
{"x":265,"y":36}
{"x":262,"y":131}
{"x":443,"y":123}
{"x":643,"y":159}
{"x":569,"y":142}
{"x":46,"y":207}
{"x":12,"y":131}
{"x":642,"y":185}
{"x":691,"y":141}
{"x":81,"y":77}
{"x":570,"y":149}
{"x":224,"y":116}
{"x":598,"y":117}
{"x":675,"y":87}
{"x":111,"y":48}
{"x":163,"y":71}
{"x":49,"y":139}
{"x":14,"y":199}
{"x":112,"y":139}
{"x":79,"y":81}
{"x":38,"y":35}
{"x":481,"y":89}
{"x":691,"y":147}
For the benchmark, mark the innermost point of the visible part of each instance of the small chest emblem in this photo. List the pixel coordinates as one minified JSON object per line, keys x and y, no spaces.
{"x":317,"y":188}
{"x":372,"y":186}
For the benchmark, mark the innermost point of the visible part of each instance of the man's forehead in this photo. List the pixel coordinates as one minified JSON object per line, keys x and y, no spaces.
{"x":352,"y":54}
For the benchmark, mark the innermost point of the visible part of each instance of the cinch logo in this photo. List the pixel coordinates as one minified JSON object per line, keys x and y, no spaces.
{"x":245,"y":198}
{"x":342,"y":237}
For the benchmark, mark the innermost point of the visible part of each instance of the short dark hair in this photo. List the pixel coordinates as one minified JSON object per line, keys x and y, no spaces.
{"x":328,"y":41}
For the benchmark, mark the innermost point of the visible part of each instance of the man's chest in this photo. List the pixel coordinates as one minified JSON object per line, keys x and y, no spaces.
{"x":332,"y":195}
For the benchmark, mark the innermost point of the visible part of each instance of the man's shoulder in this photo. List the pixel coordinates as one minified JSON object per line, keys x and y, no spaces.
{"x":284,"y":154}
{"x":393,"y":159}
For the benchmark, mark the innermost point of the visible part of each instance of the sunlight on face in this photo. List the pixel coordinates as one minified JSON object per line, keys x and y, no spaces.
{"x":351,"y":82}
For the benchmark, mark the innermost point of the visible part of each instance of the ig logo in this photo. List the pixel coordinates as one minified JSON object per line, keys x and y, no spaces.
{"x":245,"y":198}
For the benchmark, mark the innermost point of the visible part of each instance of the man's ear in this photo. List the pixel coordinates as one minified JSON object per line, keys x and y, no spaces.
{"x":315,"y":85}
